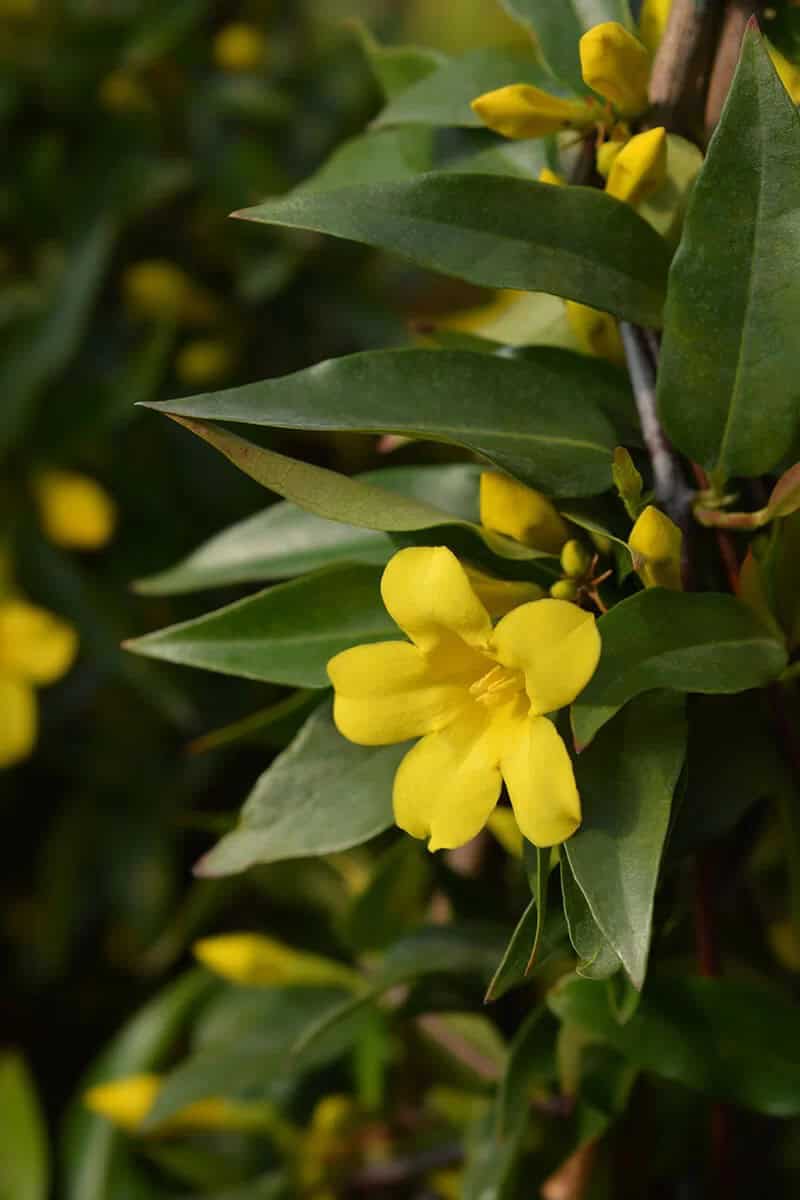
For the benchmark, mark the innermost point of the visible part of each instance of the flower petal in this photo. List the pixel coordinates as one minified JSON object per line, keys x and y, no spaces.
{"x":427,"y":592}
{"x":17,"y":722}
{"x":520,"y":110}
{"x":447,"y":785}
{"x":556,"y":644}
{"x":34,"y":645}
{"x":541,"y":784}
{"x":520,"y":512}
{"x":389,"y":692}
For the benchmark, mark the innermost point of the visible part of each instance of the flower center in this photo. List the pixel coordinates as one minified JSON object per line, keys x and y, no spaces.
{"x":497,"y":686}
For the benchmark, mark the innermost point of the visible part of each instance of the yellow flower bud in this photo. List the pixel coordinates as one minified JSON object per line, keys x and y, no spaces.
{"x":521,"y":513}
{"x":655,"y":543}
{"x":35,"y":646}
{"x":616,"y":65}
{"x":122,"y":92}
{"x":19,"y":722}
{"x":653,"y":22}
{"x":332,"y":1114}
{"x":607,"y":156}
{"x":161,"y":290}
{"x":548,"y":176}
{"x":523,"y":111}
{"x":575,"y":559}
{"x":596,"y":332}
{"x":503,"y":825}
{"x":76,"y":512}
{"x":124,"y":1102}
{"x":564,"y":589}
{"x":203,"y":362}
{"x":127,"y":1103}
{"x":788,"y":71}
{"x":499,"y":596}
{"x":640,"y":168}
{"x":257,"y":961}
{"x":240,"y":47}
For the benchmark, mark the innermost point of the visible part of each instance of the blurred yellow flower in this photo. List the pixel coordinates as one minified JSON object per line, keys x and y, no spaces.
{"x":254,"y":960}
{"x":161,"y":290}
{"x":653,"y":22}
{"x":520,"y":512}
{"x":36,"y":648}
{"x":203,"y":362}
{"x":655,"y":543}
{"x":127,"y":1102}
{"x":122,"y":92}
{"x":76,"y":512}
{"x":240,"y":47}
{"x":640,"y":168}
{"x":616,"y":65}
{"x":476,"y":696}
{"x":596,"y":332}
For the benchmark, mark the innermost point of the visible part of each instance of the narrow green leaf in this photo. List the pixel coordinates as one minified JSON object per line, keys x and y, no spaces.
{"x":24,"y":1167}
{"x":531,"y":1063}
{"x":542,"y":418}
{"x":733,"y":1040}
{"x":285,"y":634}
{"x":377,"y":157}
{"x":283,"y":540}
{"x":444,"y":97}
{"x":558,"y":28}
{"x":727,"y":386}
{"x":688,"y":642}
{"x":322,"y":794}
{"x":394,"y":899}
{"x":627,"y":779}
{"x":596,"y":957}
{"x":396,"y":68}
{"x":498,"y":232}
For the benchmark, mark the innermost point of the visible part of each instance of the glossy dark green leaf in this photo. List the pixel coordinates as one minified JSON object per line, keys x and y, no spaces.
{"x":284,"y":540}
{"x":542,"y":418}
{"x":386,"y":154}
{"x":558,"y":28}
{"x":443,"y":97}
{"x":538,"y":934}
{"x":321,"y":795}
{"x":736,"y":1041}
{"x":285,"y":634}
{"x":688,"y":642}
{"x":596,"y":957}
{"x":498,"y":232}
{"x":24,"y":1166}
{"x":627,"y":779}
{"x":727,"y":385}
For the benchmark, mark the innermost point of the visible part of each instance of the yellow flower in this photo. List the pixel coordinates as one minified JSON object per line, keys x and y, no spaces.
{"x":240,"y":47}
{"x":257,"y":961}
{"x":36,"y":649}
{"x":122,"y":92}
{"x":499,"y":596}
{"x":523,"y":111}
{"x":76,"y":512}
{"x":640,"y":168}
{"x":161,"y":290}
{"x":616,"y":65}
{"x":503,"y":826}
{"x":520,"y":512}
{"x":596,"y":332}
{"x":475,"y":696}
{"x":127,"y":1102}
{"x":655,"y":544}
{"x":653,"y":22}
{"x":203,"y":362}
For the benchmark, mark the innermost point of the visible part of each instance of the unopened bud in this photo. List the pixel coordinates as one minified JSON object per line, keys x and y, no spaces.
{"x":240,"y":47}
{"x":564,"y":589}
{"x":548,"y":176}
{"x":575,"y":559}
{"x":640,"y":168}
{"x":521,"y":513}
{"x":523,"y":111}
{"x":616,"y":65}
{"x":627,"y":481}
{"x":655,"y":544}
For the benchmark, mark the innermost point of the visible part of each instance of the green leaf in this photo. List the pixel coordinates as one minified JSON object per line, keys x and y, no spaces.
{"x":24,"y":1168}
{"x":531,"y":1063}
{"x":284,"y":540}
{"x":736,"y":1041}
{"x":394,"y":899}
{"x":542,"y":417}
{"x":626,"y":780}
{"x":492,"y":1155}
{"x":688,"y":642}
{"x":523,"y":159}
{"x":444,"y":97}
{"x":374,"y":158}
{"x":396,"y":68}
{"x":727,"y":387}
{"x":558,"y":28}
{"x":322,"y":794}
{"x":286,"y":634}
{"x":596,"y":958}
{"x":498,"y":232}
{"x":93,"y":1151}
{"x":536,"y":937}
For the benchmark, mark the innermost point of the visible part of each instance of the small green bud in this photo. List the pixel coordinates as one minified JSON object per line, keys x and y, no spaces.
{"x":575,"y":559}
{"x":564,"y":589}
{"x":627,"y":481}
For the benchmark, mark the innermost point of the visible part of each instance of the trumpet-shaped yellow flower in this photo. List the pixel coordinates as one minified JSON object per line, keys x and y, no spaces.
{"x":640,"y":168}
{"x":520,"y":512}
{"x":128,"y":1101}
{"x":240,"y":47}
{"x":616,"y":65}
{"x":257,"y":961}
{"x":36,"y":648}
{"x":476,"y":696}
{"x":596,"y":332}
{"x":523,"y":111}
{"x":655,"y":544}
{"x":76,"y":512}
{"x":653,"y":22}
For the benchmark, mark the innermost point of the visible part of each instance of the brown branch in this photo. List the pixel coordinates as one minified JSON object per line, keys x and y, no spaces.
{"x":737,"y":14}
{"x":679,"y":57}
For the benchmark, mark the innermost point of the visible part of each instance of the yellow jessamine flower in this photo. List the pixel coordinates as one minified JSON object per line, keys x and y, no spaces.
{"x":616,"y":65}
{"x":520,"y":512}
{"x":76,"y":512}
{"x":476,"y":696}
{"x":521,"y":110}
{"x":36,"y":648}
{"x":257,"y":961}
{"x":127,"y":1102}
{"x":655,"y":544}
{"x":640,"y":168}
{"x":240,"y":47}
{"x":161,"y":290}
